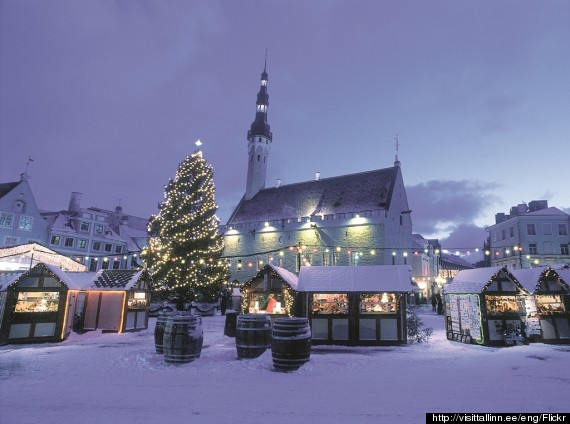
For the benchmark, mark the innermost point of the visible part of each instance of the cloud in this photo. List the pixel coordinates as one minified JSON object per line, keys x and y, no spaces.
{"x":448,"y":209}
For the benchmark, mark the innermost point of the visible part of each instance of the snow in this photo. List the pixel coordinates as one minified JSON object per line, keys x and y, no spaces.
{"x":390,"y":278}
{"x":118,"y":378}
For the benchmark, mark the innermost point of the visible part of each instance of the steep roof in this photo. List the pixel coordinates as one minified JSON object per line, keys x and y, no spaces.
{"x":6,"y":188}
{"x":366,"y":279}
{"x":347,"y":193}
{"x":105,"y":279}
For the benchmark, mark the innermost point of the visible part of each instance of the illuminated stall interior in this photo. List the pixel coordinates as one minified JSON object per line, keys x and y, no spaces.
{"x":33,"y":306}
{"x":270,"y":291}
{"x":549,"y":307}
{"x":486,"y":306}
{"x":363,"y":305}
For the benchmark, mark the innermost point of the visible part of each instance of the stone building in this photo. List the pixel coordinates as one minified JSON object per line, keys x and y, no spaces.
{"x":356,"y":219}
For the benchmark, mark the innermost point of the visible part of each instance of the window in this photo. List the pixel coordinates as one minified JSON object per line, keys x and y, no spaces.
{"x":326,"y":259}
{"x":494,"y":237}
{"x":239,"y":265}
{"x":531,"y":229}
{"x":6,"y":219}
{"x":503,"y":234}
{"x":511,"y":232}
{"x":116,"y":264}
{"x":55,"y":240}
{"x":562,"y":230}
{"x":532,"y":250}
{"x":354,"y":258}
{"x":547,"y":229}
{"x":118,"y":249}
{"x":384,"y":303}
{"x":307,"y":259}
{"x":96,"y":245}
{"x":564,"y":249}
{"x":82,"y":244}
{"x":37,"y":302}
{"x":324,"y":303}
{"x":93,"y":265}
{"x":335,"y":258}
{"x":280,"y":262}
{"x":85,"y":227}
{"x":105,"y":264}
{"x":108,"y":247}
{"x":11,"y":241}
{"x":68,"y":242}
{"x":99,"y":229}
{"x":26,"y":223}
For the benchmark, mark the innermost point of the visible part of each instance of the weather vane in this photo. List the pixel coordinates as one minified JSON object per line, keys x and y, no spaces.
{"x":28,"y":163}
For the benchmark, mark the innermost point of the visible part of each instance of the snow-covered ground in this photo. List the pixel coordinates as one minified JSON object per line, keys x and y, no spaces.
{"x":118,"y":378}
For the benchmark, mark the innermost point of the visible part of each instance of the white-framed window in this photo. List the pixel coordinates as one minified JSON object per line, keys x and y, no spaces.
{"x":11,"y":241}
{"x":326,"y":258}
{"x":97,"y":245}
{"x":68,"y":242}
{"x":532,"y":249}
{"x":108,"y":247}
{"x":118,"y":249}
{"x":564,"y":249}
{"x":99,"y":229}
{"x":26,"y":223}
{"x":562,"y":230}
{"x":6,"y":219}
{"x":336,"y":258}
{"x":55,"y":240}
{"x":85,"y":226}
{"x":82,"y":244}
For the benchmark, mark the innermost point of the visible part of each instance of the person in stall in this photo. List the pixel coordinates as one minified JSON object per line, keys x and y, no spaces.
{"x":271,"y":303}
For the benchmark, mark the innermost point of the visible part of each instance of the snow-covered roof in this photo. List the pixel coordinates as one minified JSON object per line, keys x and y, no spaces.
{"x":370,"y":190}
{"x":42,"y":254}
{"x":472,"y":280}
{"x":105,"y":279}
{"x":289,"y":277}
{"x":366,"y":279}
{"x":8,"y":277}
{"x":529,"y":277}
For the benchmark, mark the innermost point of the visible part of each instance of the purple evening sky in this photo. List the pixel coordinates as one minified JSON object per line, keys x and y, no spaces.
{"x":109,"y":96}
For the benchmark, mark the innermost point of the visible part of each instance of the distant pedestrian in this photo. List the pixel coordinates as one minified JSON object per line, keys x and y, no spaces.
{"x":439,"y":304}
{"x":433,"y":302}
{"x":224,"y":301}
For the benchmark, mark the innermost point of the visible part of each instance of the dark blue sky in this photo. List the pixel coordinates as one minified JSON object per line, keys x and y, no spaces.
{"x":109,"y":96}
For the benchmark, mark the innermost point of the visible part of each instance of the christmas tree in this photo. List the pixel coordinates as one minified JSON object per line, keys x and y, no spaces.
{"x":185,"y":247}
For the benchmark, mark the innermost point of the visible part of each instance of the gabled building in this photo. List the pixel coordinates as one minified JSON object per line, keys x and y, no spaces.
{"x":530,"y":235}
{"x":98,"y":238}
{"x":356,"y":219}
{"x":20,"y":219}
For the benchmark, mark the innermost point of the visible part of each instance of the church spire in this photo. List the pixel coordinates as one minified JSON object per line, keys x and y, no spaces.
{"x":259,"y":139}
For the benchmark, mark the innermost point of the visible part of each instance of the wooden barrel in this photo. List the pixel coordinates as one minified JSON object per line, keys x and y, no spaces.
{"x":159,"y":331}
{"x":183,"y":337}
{"x":290,"y":343}
{"x":253,"y":335}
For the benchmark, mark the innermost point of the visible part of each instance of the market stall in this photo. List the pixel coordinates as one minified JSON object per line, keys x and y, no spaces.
{"x":270,"y":291}
{"x":548,"y":310}
{"x":485,"y":306}
{"x":33,"y":306}
{"x":358,"y":305}
{"x":111,"y":300}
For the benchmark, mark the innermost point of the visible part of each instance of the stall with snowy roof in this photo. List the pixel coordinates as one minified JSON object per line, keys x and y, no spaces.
{"x":271,"y":291}
{"x":355,"y":305}
{"x":111,"y":300}
{"x":485,"y":306}
{"x":33,"y":305}
{"x":548,"y":310}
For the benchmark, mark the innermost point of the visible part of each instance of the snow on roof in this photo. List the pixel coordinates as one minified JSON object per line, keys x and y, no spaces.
{"x":373,"y":278}
{"x":471,"y":280}
{"x":289,"y":277}
{"x":529,"y":277}
{"x":548,"y":211}
{"x":346,"y":193}
{"x":8,"y":277}
{"x":106,"y":279}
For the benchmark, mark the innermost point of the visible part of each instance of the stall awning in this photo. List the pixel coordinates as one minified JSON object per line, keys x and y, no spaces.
{"x":365,"y":279}
{"x":39,"y":253}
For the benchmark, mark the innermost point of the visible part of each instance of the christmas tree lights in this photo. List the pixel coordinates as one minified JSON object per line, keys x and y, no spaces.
{"x":185,"y":246}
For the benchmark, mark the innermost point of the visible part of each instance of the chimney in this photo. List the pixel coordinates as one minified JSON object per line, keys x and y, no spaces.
{"x":278,"y":183}
{"x":317,"y":176}
{"x":75,"y":202}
